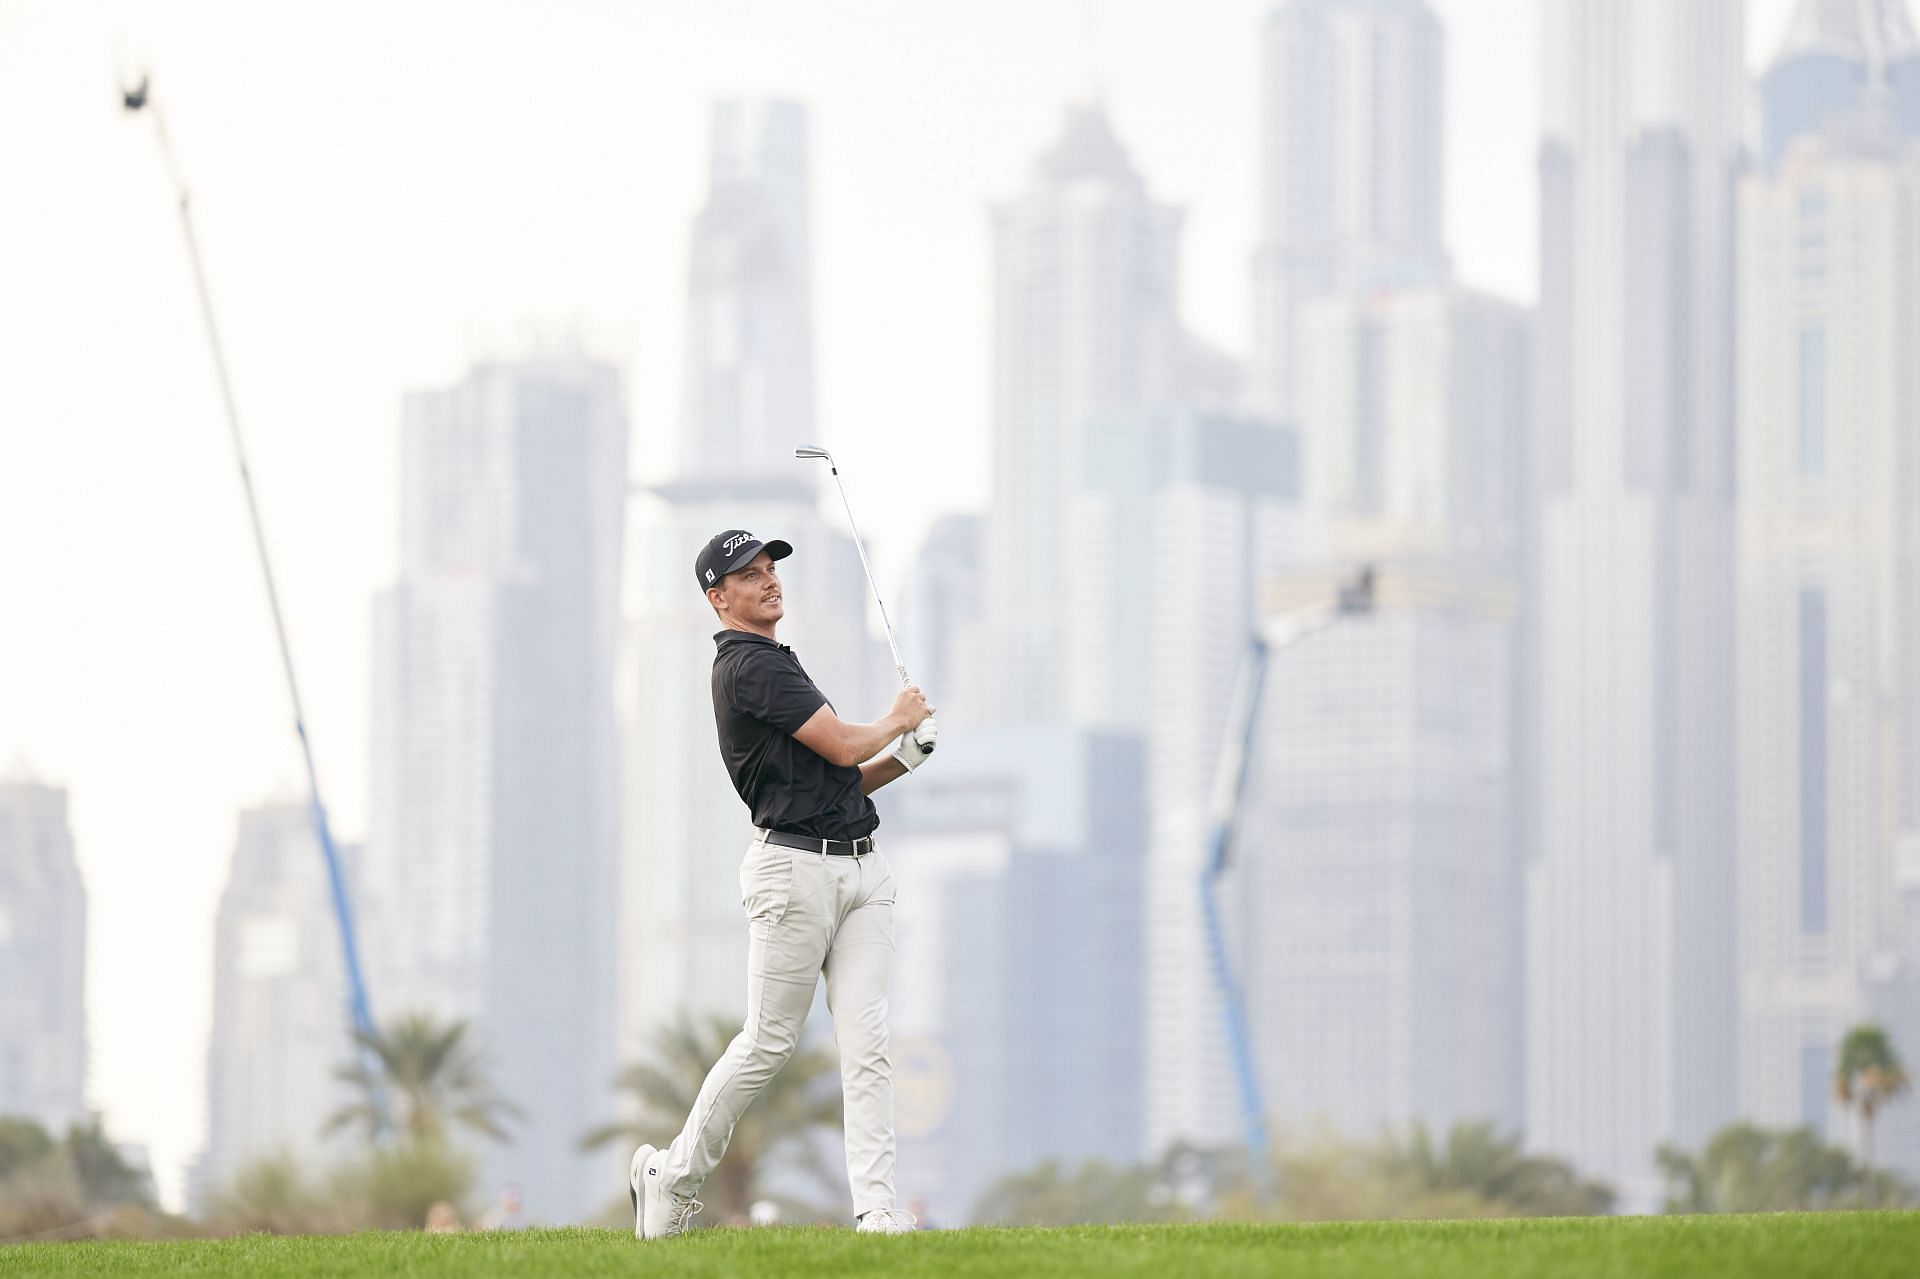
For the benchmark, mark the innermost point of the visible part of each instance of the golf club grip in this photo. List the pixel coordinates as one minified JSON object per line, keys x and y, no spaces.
{"x":906,"y":681}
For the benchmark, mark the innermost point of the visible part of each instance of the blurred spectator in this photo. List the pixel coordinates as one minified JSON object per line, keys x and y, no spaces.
{"x":506,"y":1212}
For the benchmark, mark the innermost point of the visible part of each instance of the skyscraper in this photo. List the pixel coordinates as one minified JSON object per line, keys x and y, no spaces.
{"x":1413,"y":419}
{"x":1629,"y":894}
{"x":1086,"y":346}
{"x":43,"y":958}
{"x":492,"y":854}
{"x":1213,"y":512}
{"x":1376,"y":865}
{"x":1351,"y":175}
{"x":939,"y":620}
{"x":1373,"y":883}
{"x":1829,"y":538}
{"x":1391,"y":741}
{"x":747,"y":385}
{"x":280,"y":1019}
{"x":747,"y":402}
{"x":1835,"y":50}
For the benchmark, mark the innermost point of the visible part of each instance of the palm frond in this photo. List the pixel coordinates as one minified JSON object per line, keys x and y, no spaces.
{"x":776,"y":1131}
{"x":430,"y":1073}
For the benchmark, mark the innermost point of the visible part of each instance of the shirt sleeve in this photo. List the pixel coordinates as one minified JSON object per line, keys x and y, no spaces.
{"x":773,"y":692}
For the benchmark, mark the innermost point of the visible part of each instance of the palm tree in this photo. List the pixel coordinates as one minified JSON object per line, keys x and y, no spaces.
{"x":271,"y":1195}
{"x":1868,"y":1076}
{"x":428,"y":1069}
{"x":1095,"y":1193}
{"x":1745,"y":1168}
{"x":105,"y":1175}
{"x":776,"y":1131}
{"x":22,"y":1142}
{"x":1480,"y":1161}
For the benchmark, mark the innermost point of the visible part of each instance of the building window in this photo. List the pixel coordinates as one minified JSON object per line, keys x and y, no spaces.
{"x":1368,"y":458}
{"x":1813,"y":760}
{"x":1815,"y":1081}
{"x":1813,"y":401}
{"x":1812,"y":257}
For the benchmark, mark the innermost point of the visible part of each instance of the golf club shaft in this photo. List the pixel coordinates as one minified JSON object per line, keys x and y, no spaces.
{"x":925,"y":735}
{"x":859,"y":546}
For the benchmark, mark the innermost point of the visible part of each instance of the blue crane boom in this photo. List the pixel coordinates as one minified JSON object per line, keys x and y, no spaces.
{"x":1229,"y":792}
{"x":139,"y":98}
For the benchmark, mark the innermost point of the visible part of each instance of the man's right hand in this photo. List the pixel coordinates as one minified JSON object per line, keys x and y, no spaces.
{"x":909,"y":708}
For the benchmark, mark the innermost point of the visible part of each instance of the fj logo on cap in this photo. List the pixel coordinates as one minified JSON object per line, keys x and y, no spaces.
{"x":709,"y":575}
{"x":736,"y":541}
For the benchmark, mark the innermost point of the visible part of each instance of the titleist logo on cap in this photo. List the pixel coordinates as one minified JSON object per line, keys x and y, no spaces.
{"x":730,"y":551}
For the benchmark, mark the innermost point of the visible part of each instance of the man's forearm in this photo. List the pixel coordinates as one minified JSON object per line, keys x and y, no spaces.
{"x":850,"y":745}
{"x":867,"y":740}
{"x":876,"y":773}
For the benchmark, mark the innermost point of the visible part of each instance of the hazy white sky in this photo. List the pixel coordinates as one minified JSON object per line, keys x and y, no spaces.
{"x":386,"y":191}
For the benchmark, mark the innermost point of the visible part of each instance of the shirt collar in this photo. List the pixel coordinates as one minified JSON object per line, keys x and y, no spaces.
{"x":730,"y":636}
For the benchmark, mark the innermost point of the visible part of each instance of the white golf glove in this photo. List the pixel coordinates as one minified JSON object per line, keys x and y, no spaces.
{"x":912,"y":749}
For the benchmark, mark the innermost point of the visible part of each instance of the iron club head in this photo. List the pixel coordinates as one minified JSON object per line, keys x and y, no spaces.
{"x":809,"y":451}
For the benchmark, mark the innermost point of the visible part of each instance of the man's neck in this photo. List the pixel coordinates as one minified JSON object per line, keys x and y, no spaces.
{"x":764,"y":632}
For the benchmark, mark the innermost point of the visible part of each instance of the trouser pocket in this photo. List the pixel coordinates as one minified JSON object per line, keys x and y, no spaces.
{"x":766,"y":883}
{"x":884,"y":892}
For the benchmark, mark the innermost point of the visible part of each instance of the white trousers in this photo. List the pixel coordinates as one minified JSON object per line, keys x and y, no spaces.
{"x":807,"y":914}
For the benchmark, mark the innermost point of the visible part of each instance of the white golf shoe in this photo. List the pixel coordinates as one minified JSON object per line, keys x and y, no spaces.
{"x":887,"y":1221}
{"x":656,"y":1214}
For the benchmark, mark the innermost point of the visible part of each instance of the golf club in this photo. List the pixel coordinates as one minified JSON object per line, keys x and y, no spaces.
{"x":927,"y":731}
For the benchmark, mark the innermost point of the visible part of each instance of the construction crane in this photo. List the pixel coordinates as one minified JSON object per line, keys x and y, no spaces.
{"x":1271,"y":636}
{"x":139,"y":98}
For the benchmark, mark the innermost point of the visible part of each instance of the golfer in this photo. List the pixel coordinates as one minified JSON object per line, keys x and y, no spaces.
{"x":818,"y":894}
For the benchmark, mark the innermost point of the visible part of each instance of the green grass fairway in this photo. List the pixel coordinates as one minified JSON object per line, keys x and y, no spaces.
{"x":1831,"y":1245}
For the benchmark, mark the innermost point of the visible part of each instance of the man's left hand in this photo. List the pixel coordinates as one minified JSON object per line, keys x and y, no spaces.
{"x":912,"y":749}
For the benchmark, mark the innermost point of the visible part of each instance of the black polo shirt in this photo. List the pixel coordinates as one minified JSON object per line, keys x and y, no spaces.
{"x":760,"y":697}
